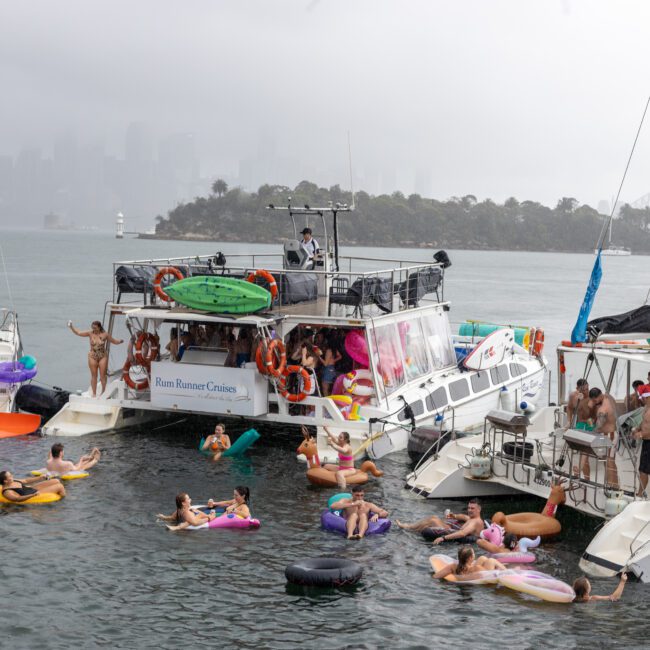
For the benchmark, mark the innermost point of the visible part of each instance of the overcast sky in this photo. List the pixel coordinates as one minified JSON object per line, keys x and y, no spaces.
{"x":536,"y":99}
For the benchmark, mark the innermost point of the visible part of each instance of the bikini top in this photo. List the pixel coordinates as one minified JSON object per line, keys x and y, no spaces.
{"x":22,"y":490}
{"x":344,"y":458}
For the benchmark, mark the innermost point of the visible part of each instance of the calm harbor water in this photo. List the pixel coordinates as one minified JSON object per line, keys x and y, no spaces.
{"x":96,"y":570}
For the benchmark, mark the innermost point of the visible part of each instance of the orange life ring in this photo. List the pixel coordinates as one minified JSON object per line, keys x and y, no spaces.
{"x":165,"y":271}
{"x":261,"y":273}
{"x":135,"y":385}
{"x":306,"y":385}
{"x":276,"y":351}
{"x":152,"y":346}
{"x":538,"y":346}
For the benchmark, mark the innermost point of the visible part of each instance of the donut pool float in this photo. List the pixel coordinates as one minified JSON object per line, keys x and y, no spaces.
{"x":324,"y":572}
{"x":45,"y":497}
{"x":433,"y":533}
{"x":229,"y":521}
{"x":335,"y":522}
{"x":68,"y":476}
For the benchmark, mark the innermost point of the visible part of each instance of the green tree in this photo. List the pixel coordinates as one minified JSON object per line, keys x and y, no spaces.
{"x":219,"y":187}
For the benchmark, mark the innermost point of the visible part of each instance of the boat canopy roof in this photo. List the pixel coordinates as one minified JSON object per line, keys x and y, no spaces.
{"x":177,"y":314}
{"x":637,"y":352}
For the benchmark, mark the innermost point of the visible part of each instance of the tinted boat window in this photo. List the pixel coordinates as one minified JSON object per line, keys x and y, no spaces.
{"x":458,"y":389}
{"x":517,"y":369}
{"x":417,"y":407}
{"x":438,"y":336}
{"x":437,"y":400}
{"x":480,"y":381}
{"x":499,"y":374}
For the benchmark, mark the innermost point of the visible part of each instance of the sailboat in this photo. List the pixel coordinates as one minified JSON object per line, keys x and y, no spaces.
{"x":611,"y":249}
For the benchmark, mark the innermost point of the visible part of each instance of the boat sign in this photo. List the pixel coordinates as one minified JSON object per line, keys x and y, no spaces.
{"x":208,"y":389}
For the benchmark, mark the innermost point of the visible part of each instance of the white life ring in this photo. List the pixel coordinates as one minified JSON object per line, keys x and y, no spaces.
{"x":352,"y":385}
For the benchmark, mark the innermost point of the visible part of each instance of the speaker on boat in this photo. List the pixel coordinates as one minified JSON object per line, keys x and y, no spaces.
{"x":422,"y":440}
{"x":42,"y":401}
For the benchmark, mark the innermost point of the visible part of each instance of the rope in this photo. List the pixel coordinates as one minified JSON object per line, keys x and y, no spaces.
{"x":601,"y":237}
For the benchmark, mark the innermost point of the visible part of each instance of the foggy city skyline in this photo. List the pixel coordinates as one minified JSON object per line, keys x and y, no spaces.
{"x":136,"y":108}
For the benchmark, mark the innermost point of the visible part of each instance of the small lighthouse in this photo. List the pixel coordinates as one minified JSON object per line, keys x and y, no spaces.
{"x":119,"y":226}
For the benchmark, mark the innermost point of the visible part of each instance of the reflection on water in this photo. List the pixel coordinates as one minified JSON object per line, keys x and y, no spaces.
{"x":98,"y":570}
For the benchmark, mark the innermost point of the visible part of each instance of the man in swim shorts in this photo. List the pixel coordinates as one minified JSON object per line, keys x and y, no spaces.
{"x":56,"y":465}
{"x":643,"y":433}
{"x":578,"y":405}
{"x":606,"y":424}
{"x":357,"y":512}
{"x":470,"y":524}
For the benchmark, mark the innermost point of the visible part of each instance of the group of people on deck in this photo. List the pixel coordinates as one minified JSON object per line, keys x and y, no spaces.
{"x":593,"y":410}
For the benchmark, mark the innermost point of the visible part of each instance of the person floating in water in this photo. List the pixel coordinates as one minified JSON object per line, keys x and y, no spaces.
{"x":468,"y":565}
{"x":218,"y":442}
{"x":582,"y":587}
{"x":21,"y":490}
{"x":57,"y":465}
{"x":341,"y":444}
{"x":358,"y":513}
{"x":238,"y":505}
{"x":185,"y":515}
{"x":98,"y":356}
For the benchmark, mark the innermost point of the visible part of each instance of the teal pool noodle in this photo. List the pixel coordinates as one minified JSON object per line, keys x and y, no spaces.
{"x":480,"y":330}
{"x":242,"y":443}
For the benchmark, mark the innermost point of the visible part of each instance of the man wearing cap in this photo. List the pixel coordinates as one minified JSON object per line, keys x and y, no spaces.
{"x":308,"y":243}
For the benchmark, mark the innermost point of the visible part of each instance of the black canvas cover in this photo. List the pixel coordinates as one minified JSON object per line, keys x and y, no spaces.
{"x":38,"y":400}
{"x":298,"y":287}
{"x":637,"y":320}
{"x":134,"y":279}
{"x":366,"y":291}
{"x":419,"y":285}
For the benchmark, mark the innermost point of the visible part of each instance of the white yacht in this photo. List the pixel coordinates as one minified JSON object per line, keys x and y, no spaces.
{"x":399,"y":367}
{"x":525,"y":453}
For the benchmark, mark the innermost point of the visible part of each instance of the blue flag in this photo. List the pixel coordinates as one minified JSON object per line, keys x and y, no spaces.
{"x":579,"y":333}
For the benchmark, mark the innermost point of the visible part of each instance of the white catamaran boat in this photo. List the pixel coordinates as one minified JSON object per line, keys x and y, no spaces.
{"x":525,"y":453}
{"x":398,"y":369}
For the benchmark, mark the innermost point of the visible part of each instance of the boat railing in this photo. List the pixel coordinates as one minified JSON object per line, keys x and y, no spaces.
{"x":557,"y":459}
{"x":382,"y":290}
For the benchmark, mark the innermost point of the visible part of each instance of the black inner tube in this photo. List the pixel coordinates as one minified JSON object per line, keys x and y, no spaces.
{"x":324,"y":572}
{"x":434,"y":533}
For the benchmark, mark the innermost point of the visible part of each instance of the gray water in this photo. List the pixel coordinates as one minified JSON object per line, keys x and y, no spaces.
{"x":96,"y":570}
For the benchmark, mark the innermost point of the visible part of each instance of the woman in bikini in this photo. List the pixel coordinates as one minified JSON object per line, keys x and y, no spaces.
{"x":468,"y":565}
{"x":238,"y":505}
{"x":341,"y":444}
{"x":218,"y":442}
{"x":17,"y":491}
{"x":98,"y":356}
{"x":185,"y":515}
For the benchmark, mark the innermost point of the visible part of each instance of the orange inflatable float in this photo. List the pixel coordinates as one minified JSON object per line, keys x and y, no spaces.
{"x":532,"y":524}
{"x":318,"y":475}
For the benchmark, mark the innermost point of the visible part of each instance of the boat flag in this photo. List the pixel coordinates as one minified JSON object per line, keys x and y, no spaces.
{"x":579,"y":333}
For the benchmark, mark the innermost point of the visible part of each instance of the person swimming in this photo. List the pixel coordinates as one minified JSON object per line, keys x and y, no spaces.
{"x":238,"y":505}
{"x":468,"y":564}
{"x":582,"y":587}
{"x":218,"y":442}
{"x":21,"y":490}
{"x":185,"y":515}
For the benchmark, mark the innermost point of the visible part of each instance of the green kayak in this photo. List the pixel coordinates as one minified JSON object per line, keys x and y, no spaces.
{"x":219,"y":294}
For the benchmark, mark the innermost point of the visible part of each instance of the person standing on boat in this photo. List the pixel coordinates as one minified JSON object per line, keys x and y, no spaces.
{"x":98,"y":356}
{"x":642,"y":432}
{"x":578,"y":406}
{"x":606,"y":424}
{"x":308,"y":243}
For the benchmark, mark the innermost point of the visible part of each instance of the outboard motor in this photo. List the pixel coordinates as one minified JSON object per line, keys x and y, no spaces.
{"x":442,"y":258}
{"x":38,"y":400}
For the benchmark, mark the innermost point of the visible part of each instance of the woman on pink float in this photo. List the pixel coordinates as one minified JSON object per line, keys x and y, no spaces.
{"x":185,"y":515}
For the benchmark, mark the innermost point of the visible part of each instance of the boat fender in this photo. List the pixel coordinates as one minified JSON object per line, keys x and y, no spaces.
{"x":324,"y":572}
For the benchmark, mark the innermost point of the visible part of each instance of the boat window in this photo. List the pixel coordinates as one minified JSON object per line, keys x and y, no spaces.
{"x":387,"y":351}
{"x":499,"y":374}
{"x":458,"y":389}
{"x":417,"y":408}
{"x":438,"y":336}
{"x":517,"y":369}
{"x":480,"y":381}
{"x":437,"y":399}
{"x":416,"y":361}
